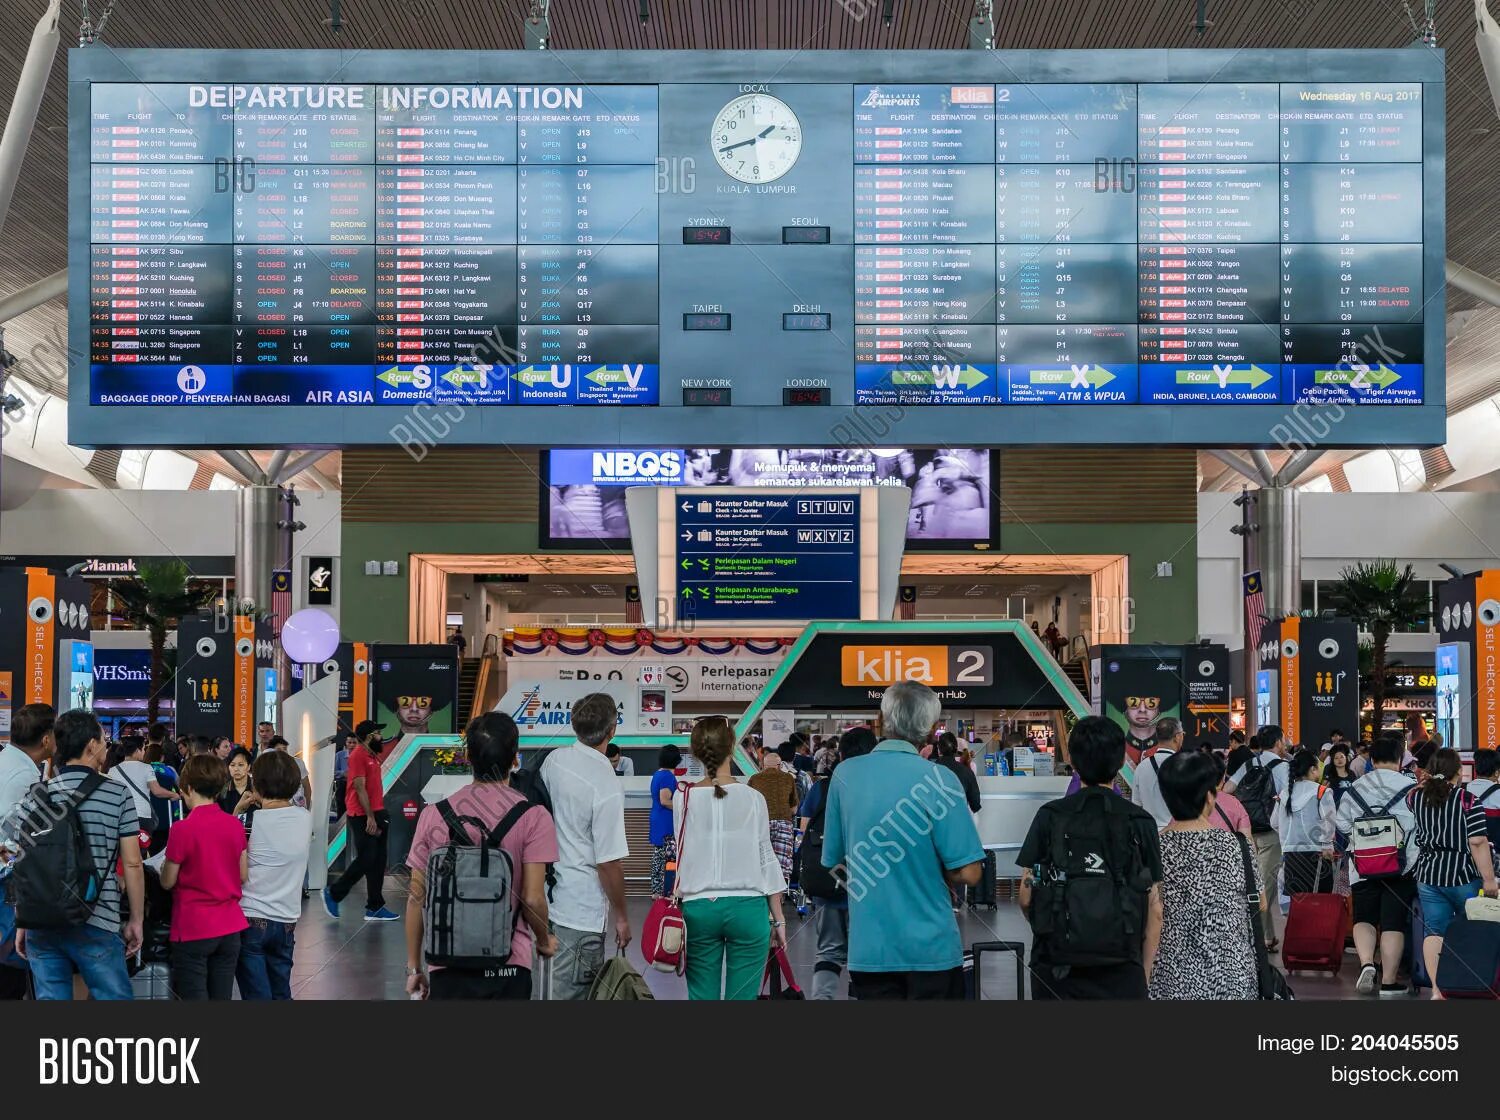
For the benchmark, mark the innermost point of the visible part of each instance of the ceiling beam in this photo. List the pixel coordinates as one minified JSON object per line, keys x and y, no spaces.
{"x":1477,"y":284}
{"x":26,"y":101}
{"x":296,"y":466}
{"x":33,"y":295}
{"x":1235,"y":463}
{"x":250,"y":472}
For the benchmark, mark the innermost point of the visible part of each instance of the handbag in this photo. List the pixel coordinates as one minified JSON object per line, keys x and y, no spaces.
{"x":664,"y":933}
{"x":1270,"y":983}
{"x":779,"y":970}
{"x":1482,"y":908}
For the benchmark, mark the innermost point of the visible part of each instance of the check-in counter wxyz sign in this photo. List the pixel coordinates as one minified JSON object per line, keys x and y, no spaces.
{"x":936,"y":666}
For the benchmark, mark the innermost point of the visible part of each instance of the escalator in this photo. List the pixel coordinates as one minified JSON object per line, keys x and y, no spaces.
{"x":468,"y":679}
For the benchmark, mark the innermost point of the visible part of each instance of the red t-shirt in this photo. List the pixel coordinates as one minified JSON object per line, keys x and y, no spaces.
{"x":206,"y":846}
{"x":363,"y":764}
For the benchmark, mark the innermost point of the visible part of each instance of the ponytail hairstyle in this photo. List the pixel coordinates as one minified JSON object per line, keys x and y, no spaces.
{"x":1304,"y":764}
{"x":1442,"y":771}
{"x":712,"y":742}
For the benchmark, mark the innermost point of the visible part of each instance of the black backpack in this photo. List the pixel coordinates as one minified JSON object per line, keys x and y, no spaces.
{"x":1091,"y":886}
{"x":816,"y":880}
{"x":54,"y":884}
{"x":1257,"y":793}
{"x":529,"y":784}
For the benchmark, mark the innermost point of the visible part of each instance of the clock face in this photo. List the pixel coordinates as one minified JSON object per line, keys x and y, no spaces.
{"x":756,"y":138}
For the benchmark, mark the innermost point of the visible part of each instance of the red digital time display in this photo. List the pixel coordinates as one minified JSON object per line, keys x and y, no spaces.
{"x":803,"y":395}
{"x":704,"y":398}
{"x":705,"y":235}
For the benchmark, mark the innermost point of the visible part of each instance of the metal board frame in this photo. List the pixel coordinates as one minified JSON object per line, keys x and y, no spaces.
{"x":424,"y":426}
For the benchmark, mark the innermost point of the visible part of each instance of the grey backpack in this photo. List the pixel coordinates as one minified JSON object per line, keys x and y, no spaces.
{"x":469,"y":912}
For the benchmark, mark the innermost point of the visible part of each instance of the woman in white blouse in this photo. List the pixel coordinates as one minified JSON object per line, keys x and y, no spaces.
{"x":728,"y":876}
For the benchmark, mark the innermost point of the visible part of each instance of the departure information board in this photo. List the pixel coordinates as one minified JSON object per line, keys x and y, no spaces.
{"x":327,"y":251}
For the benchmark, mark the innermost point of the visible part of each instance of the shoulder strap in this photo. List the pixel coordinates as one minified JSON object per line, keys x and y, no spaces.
{"x":86,"y":788}
{"x":1250,"y":892}
{"x":1275,"y":762}
{"x":456,"y":832}
{"x":131,"y":782}
{"x":687,"y":793}
{"x":1154,"y":767}
{"x":507,"y":822}
{"x":1487,"y":794}
{"x":1400,"y":793}
{"x":1358,"y":800}
{"x":1223,"y":816}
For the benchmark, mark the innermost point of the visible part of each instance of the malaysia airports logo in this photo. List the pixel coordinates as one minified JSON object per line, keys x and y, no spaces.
{"x":191,"y":380}
{"x":621,"y":468}
{"x":877,"y":98}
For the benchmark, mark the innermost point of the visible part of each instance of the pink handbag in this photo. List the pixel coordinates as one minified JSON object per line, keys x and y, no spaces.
{"x":664,"y":933}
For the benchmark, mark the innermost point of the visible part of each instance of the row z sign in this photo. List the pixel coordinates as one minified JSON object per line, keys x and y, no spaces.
{"x":935,"y":666}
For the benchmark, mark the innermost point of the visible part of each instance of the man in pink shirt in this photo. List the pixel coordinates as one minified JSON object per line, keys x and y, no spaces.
{"x":206,"y":865}
{"x":531,"y":842}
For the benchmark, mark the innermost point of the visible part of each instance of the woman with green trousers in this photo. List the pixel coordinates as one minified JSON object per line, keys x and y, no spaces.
{"x":728,"y":876}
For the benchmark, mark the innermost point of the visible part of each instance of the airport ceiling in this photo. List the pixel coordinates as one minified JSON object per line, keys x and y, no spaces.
{"x":34,"y":240}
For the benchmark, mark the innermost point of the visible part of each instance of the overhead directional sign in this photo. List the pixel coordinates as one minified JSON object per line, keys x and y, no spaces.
{"x":772,"y":557}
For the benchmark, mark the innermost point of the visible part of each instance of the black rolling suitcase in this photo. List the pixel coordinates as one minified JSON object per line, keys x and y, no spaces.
{"x":973,"y":982}
{"x":984,"y":893}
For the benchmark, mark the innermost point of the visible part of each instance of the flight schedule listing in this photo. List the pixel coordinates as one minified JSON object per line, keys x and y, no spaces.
{"x":1154,"y":243}
{"x":339,"y":244}
{"x":587,"y":243}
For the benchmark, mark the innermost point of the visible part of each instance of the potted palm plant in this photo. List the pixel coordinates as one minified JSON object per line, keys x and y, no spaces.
{"x":156,"y":600}
{"x":1381,"y":598}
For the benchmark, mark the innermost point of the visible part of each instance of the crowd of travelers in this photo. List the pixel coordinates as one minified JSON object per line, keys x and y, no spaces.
{"x":1161,"y":881}
{"x":149,"y":863}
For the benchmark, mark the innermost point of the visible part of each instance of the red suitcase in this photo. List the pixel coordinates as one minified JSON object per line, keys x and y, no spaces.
{"x":1316,"y":927}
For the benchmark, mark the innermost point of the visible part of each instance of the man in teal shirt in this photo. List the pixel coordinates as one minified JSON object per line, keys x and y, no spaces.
{"x":901,"y":829}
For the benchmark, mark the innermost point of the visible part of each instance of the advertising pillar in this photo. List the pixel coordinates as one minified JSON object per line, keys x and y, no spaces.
{"x":219,"y":663}
{"x":1469,"y":621}
{"x":1328,"y":658}
{"x":1207,"y":719}
{"x":44,"y":640}
{"x":1139,"y":685}
{"x":1313,"y":675}
{"x":416,"y":691}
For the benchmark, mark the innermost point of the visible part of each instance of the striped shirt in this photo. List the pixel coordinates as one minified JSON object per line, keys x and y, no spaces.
{"x":1443,"y":833}
{"x":1486,"y":794}
{"x":107,"y":815}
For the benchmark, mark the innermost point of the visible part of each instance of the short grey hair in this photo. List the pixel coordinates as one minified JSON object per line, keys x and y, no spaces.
{"x":908,"y":711}
{"x":595,"y":718}
{"x":1168,"y":729}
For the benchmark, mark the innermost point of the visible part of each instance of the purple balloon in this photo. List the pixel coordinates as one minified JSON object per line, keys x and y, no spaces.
{"x":310,"y":636}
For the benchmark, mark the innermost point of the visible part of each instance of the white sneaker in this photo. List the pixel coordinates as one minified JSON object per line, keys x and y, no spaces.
{"x":1365,"y":985}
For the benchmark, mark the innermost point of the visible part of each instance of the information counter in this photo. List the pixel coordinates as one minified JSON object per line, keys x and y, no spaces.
{"x":1009,"y":805}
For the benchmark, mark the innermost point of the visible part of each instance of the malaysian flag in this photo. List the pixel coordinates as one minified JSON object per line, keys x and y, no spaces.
{"x":1255,"y":609}
{"x":281,"y":610}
